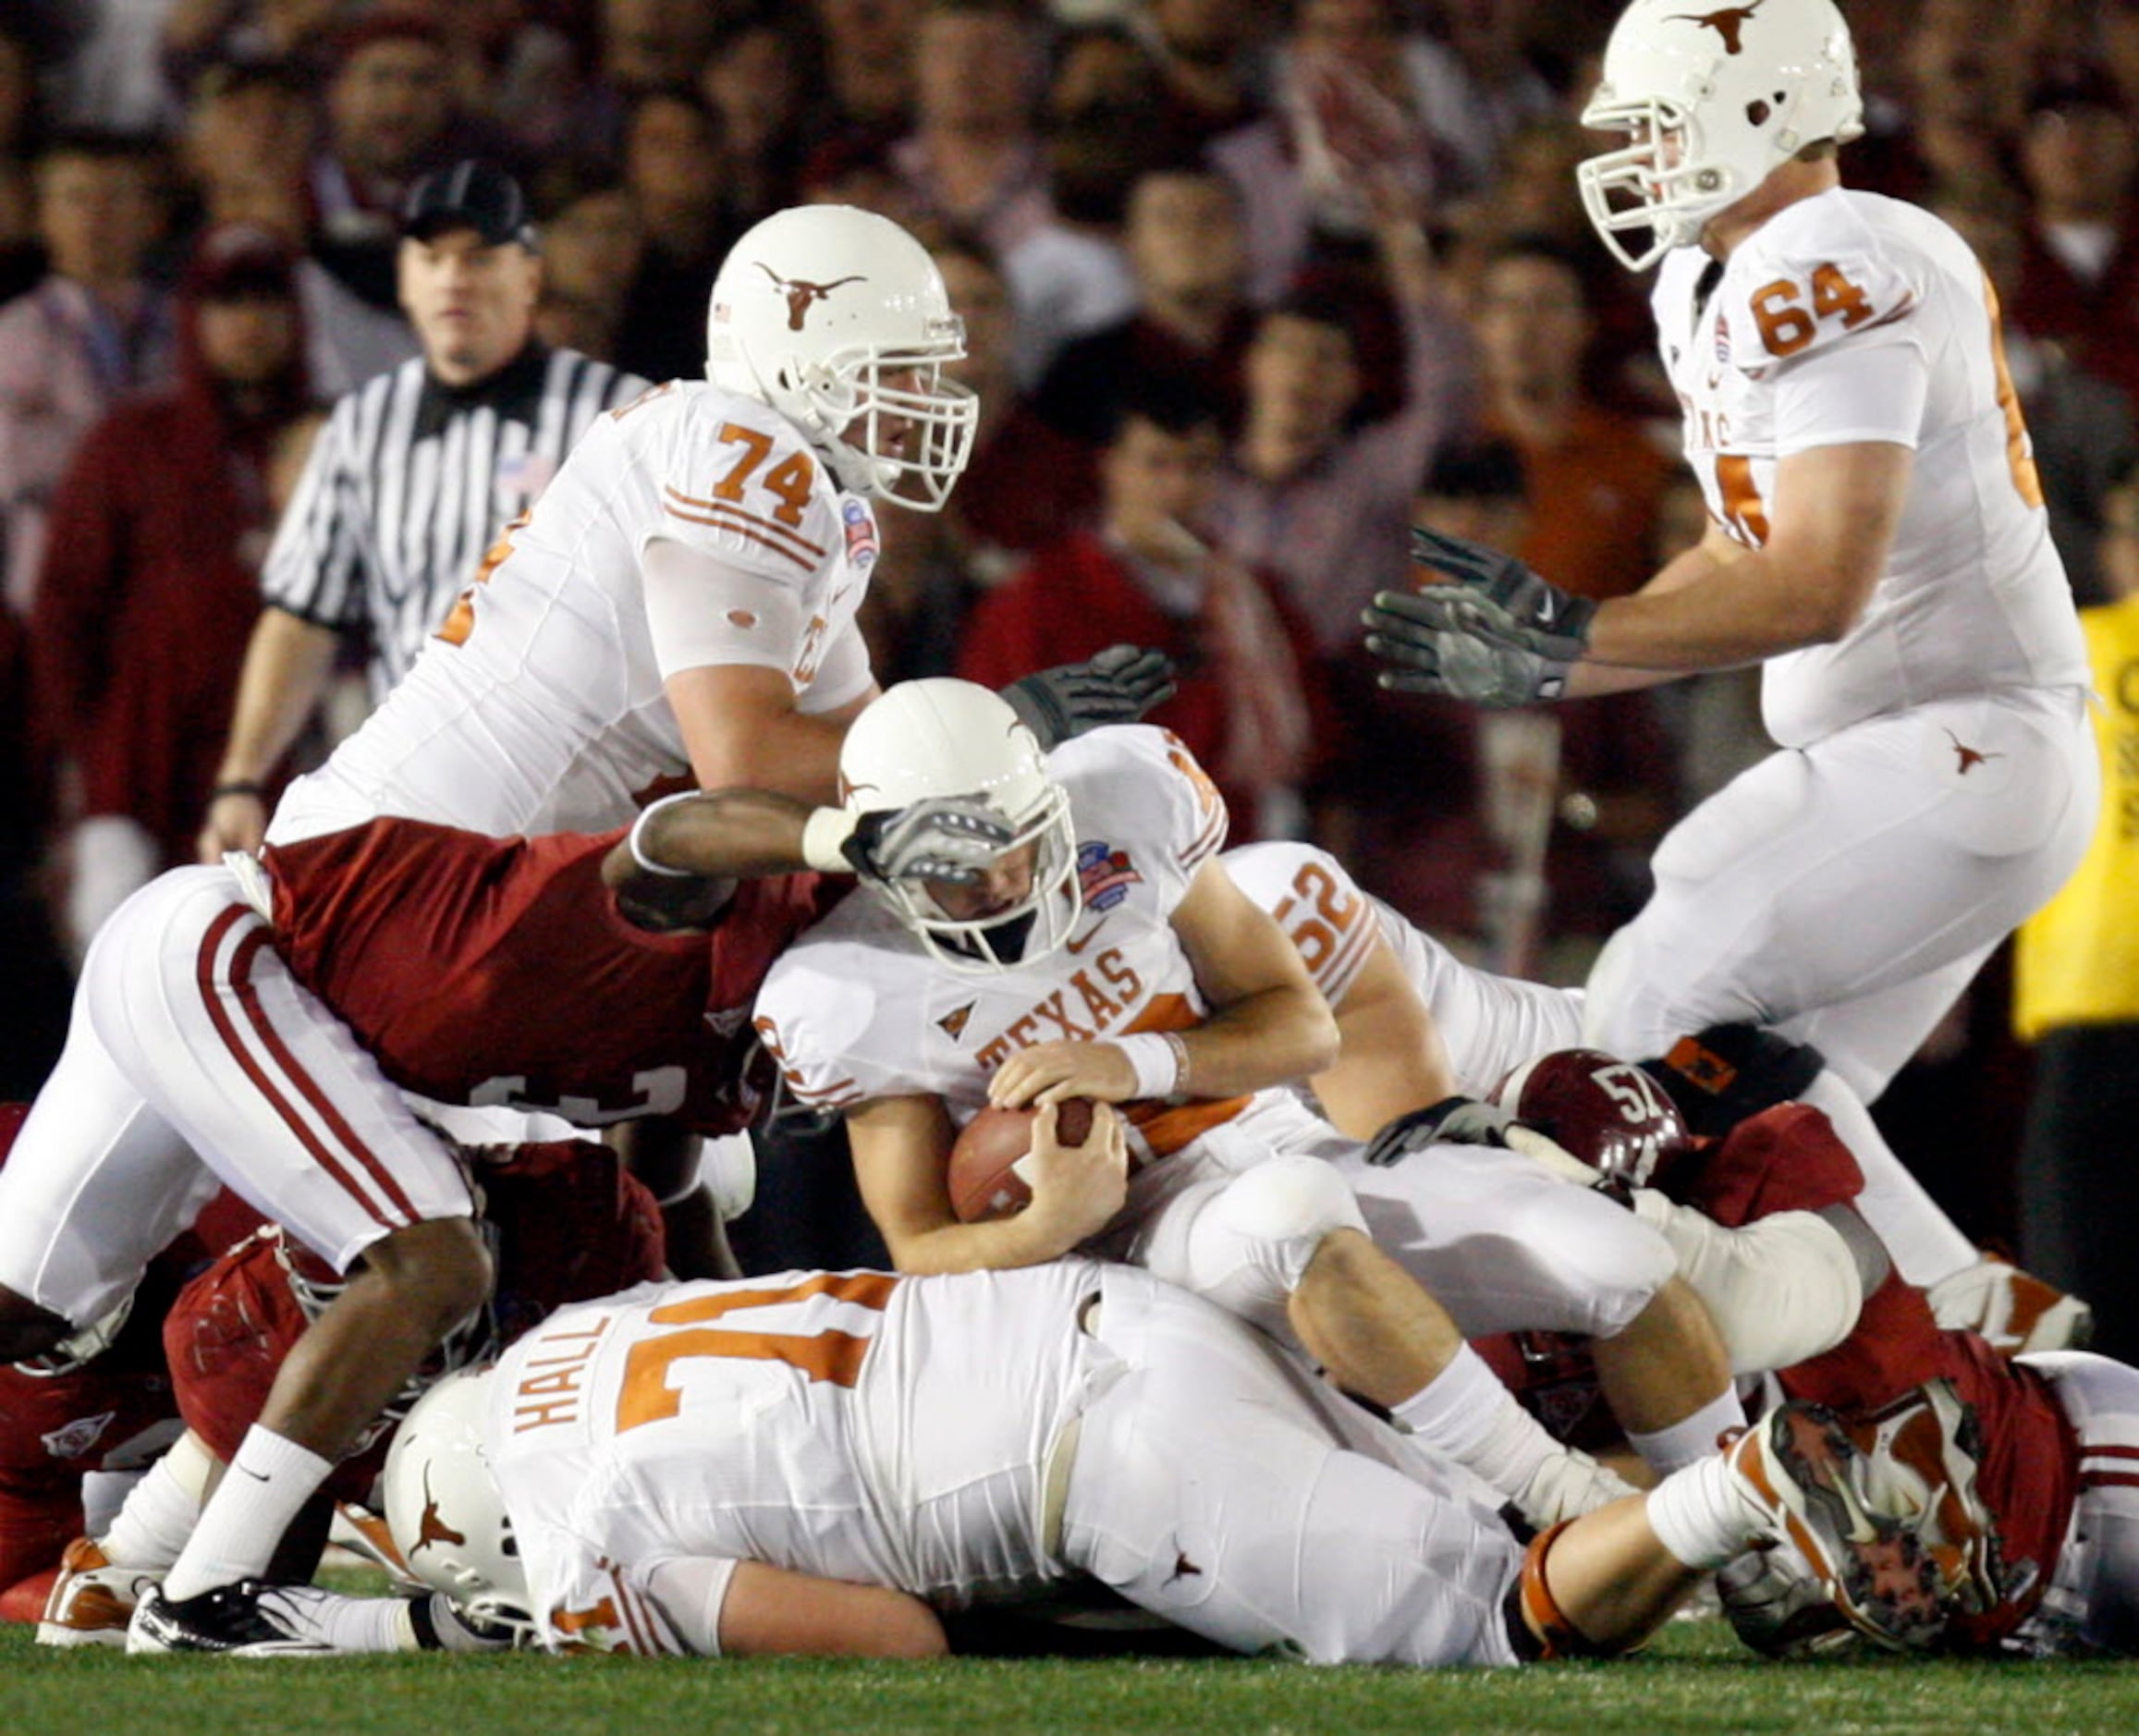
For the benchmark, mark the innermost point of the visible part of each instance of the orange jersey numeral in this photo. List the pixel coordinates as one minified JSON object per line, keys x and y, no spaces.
{"x":829,"y":1355}
{"x":460,"y":619}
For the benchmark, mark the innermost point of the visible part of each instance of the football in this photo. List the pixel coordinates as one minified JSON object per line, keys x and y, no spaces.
{"x":984,"y":1178}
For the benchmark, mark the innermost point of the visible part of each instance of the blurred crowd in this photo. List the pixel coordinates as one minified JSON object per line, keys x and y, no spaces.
{"x":1249,"y":289}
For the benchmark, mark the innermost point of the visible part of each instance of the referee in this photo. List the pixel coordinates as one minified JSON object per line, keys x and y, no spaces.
{"x":412,"y":478}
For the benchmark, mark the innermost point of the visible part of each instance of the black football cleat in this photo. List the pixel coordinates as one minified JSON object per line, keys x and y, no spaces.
{"x":248,"y":1620}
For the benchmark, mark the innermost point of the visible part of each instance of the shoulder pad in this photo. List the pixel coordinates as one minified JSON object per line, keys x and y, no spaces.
{"x":816,"y":1007}
{"x":1137,"y":777}
{"x":1793,"y":296}
{"x":739,"y":482}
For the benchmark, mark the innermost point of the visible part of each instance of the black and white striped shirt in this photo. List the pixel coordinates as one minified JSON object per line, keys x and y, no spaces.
{"x":410,"y":483}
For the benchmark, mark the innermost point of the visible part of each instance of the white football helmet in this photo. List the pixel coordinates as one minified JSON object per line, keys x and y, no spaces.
{"x":839,"y":319}
{"x":445,"y":1507}
{"x":1712,"y":101}
{"x":947,"y":738}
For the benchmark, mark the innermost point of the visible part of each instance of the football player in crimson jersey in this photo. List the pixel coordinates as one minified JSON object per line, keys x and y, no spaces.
{"x":2036,"y":1511}
{"x":106,"y":1404}
{"x":1877,"y":542}
{"x":621,"y":1004}
{"x":565,"y":1221}
{"x":680,"y":604}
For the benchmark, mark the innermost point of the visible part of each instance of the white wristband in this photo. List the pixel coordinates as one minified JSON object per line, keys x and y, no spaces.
{"x":637,"y":825}
{"x":823,"y":833}
{"x":1156,"y":1061}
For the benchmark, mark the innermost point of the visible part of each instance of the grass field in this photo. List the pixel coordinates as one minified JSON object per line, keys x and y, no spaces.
{"x":1695,"y":1679}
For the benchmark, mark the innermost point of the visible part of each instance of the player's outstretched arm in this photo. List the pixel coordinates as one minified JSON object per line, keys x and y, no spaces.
{"x":1832,"y":525}
{"x":683,"y":853}
{"x":1486,"y":629}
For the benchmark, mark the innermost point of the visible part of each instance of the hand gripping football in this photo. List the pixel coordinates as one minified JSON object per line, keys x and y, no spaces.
{"x":987,"y":1177}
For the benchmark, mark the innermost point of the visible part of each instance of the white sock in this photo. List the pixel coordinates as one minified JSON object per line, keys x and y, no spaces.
{"x":161,"y":1509}
{"x":1699,"y":1514}
{"x":1665,"y":1450}
{"x":351,"y":1624}
{"x":1466,"y":1413}
{"x":1922,"y":1240}
{"x":240,"y":1528}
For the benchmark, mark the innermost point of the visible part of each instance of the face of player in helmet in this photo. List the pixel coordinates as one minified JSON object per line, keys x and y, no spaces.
{"x":1002,"y":885}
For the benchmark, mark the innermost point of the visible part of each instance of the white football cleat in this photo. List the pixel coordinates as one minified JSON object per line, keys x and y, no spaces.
{"x":91,"y":1601}
{"x":2015,"y":1311}
{"x":1800,"y":1467}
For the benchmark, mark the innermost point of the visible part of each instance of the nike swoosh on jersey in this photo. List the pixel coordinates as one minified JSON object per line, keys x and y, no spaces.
{"x":1084,"y":940}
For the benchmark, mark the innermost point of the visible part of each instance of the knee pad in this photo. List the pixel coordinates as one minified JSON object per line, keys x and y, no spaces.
{"x":1290,"y":1199}
{"x":1541,"y":1631}
{"x":1253,"y":1244}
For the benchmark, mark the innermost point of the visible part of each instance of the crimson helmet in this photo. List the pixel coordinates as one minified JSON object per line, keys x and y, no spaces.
{"x":1607,"y":1112}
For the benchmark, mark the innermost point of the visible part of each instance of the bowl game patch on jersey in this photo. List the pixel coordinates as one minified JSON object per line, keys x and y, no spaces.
{"x":860,"y":526}
{"x":1104,"y":875}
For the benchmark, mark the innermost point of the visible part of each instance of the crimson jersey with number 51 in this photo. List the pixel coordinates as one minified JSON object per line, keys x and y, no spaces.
{"x":1850,"y":318}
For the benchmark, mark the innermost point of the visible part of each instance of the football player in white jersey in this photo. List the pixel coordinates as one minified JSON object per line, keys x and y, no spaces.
{"x":680,"y":604}
{"x":1496,"y":1237}
{"x":1108,"y":955}
{"x":1876,"y":540}
{"x":821,"y":1463}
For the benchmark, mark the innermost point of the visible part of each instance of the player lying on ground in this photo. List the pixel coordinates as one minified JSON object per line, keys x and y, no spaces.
{"x":819,"y":1463}
{"x":1107,"y":954}
{"x":2036,"y":1531}
{"x":546,"y":994}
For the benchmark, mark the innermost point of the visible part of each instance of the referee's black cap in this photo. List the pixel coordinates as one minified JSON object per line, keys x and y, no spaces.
{"x":471,"y":195}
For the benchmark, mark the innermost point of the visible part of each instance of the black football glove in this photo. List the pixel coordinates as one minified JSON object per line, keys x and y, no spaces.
{"x":1720,"y":1076}
{"x":1467,"y":1121}
{"x":1488,"y":629}
{"x":1114,"y":686}
{"x":940,"y":838}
